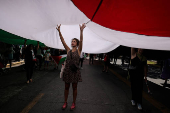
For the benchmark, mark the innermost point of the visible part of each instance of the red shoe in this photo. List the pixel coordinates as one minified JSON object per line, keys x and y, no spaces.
{"x":73,"y":107}
{"x":64,"y":106}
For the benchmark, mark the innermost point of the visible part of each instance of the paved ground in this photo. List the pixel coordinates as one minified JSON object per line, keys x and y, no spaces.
{"x":98,"y":93}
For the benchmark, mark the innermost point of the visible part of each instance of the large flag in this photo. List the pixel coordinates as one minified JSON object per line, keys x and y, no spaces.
{"x":110,"y":23}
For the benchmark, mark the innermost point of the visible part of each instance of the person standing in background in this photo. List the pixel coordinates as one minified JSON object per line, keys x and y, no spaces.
{"x":115,"y":58}
{"x":106,"y":62}
{"x":47,"y":59}
{"x":56,"y":53}
{"x":81,"y":59}
{"x":17,"y":53}
{"x":29,"y":62}
{"x":23,"y":52}
{"x":100,"y":57}
{"x":111,"y":56}
{"x":10,"y":54}
{"x":138,"y":70}
{"x":39,"y":56}
{"x":91,"y":59}
{"x":166,"y":71}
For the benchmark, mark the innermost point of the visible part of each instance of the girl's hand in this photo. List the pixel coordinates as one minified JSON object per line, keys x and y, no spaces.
{"x":58,"y":27}
{"x":82,"y":27}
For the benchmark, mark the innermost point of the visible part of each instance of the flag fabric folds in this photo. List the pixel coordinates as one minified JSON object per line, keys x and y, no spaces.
{"x":140,"y":24}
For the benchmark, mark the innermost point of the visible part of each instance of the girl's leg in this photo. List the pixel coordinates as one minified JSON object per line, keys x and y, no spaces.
{"x":74,"y":85}
{"x":66,"y":92}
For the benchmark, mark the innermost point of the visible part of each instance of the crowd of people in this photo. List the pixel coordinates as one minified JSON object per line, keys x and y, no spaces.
{"x":8,"y":52}
{"x":33,"y":56}
{"x":36,"y":56}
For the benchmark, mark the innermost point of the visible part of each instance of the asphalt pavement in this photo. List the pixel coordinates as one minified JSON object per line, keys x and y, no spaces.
{"x":98,"y":93}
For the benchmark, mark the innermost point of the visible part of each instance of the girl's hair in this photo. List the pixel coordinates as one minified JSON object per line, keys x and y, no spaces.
{"x":77,"y":40}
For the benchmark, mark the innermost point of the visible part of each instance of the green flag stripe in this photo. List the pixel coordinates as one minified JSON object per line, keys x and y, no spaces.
{"x":62,"y":60}
{"x":10,"y":38}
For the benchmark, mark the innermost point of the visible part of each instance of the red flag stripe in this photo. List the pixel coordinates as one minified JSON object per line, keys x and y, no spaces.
{"x":147,"y":17}
{"x":56,"y":59}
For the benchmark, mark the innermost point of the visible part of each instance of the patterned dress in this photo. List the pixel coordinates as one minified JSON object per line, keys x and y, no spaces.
{"x":68,"y":75}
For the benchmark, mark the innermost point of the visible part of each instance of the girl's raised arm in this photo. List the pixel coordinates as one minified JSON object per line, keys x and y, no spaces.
{"x":81,"y":38}
{"x":62,"y":39}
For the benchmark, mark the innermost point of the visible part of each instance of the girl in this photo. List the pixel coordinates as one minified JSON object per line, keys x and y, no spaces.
{"x":71,"y":71}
